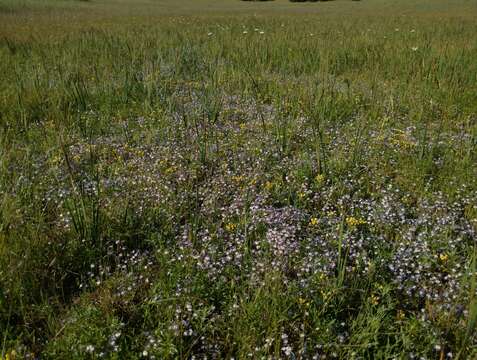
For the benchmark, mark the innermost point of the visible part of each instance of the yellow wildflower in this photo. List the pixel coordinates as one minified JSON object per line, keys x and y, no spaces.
{"x":230,"y":227}
{"x":268,"y":185}
{"x":12,"y":355}
{"x":237,"y":178}
{"x":374,"y":299}
{"x":352,"y":221}
{"x":319,"y":178}
{"x":313,"y":221}
{"x":444,"y":257}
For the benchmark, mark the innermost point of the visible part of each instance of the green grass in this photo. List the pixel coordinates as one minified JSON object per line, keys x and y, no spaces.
{"x":229,"y":179}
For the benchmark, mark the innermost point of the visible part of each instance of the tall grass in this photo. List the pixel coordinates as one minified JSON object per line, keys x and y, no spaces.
{"x":238,"y":186}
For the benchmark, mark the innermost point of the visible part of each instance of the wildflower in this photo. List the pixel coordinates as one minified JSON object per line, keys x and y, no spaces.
{"x":268,"y":185}
{"x":415,"y":48}
{"x":353,"y":222}
{"x":11,"y":355}
{"x":245,"y":32}
{"x":287,"y":350}
{"x":400,"y":315}
{"x":262,"y":32}
{"x":444,"y":257}
{"x":237,"y":178}
{"x":319,"y":178}
{"x":230,"y":227}
{"x":403,"y":140}
{"x":90,"y":349}
{"x":210,"y":34}
{"x":313,"y":221}
{"x":374,"y":299}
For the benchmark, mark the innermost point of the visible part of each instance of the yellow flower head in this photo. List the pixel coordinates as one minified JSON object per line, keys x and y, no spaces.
{"x":313,"y":221}
{"x":238,"y":178}
{"x":353,"y":222}
{"x":374,"y":299}
{"x":170,"y":170}
{"x":268,"y":185}
{"x":230,"y":227}
{"x":319,"y":178}
{"x":12,"y":355}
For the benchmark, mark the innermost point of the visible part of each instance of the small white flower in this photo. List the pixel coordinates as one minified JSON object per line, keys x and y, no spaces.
{"x":414,"y":48}
{"x":413,"y":31}
{"x":245,"y":32}
{"x":287,"y":350}
{"x":210,"y":34}
{"x":262,"y":32}
{"x":90,"y":349}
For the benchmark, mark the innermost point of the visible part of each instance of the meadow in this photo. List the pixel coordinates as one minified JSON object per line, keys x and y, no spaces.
{"x":204,"y":179}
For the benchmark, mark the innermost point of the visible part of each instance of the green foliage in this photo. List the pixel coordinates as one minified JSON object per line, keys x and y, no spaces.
{"x":229,"y":185}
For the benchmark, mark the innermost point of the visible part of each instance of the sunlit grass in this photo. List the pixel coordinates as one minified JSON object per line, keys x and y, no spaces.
{"x":238,"y":179}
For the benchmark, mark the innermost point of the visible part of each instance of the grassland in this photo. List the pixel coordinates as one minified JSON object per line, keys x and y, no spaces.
{"x":249,"y":180}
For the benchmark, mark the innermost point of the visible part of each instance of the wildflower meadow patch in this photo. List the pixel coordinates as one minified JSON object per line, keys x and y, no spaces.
{"x":238,"y":180}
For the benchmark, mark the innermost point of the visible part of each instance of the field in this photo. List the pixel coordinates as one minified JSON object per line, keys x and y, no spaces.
{"x":238,"y":180}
